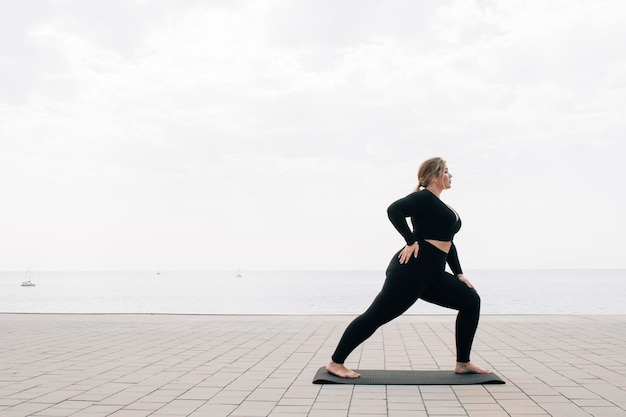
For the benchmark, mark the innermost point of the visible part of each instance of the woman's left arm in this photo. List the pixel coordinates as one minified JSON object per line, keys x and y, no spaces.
{"x":455,"y":266}
{"x":453,"y":261}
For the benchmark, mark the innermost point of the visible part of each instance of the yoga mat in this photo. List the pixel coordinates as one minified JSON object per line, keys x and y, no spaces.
{"x":396,"y":377}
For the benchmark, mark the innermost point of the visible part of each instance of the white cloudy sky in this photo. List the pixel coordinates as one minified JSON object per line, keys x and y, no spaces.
{"x":273,"y":134}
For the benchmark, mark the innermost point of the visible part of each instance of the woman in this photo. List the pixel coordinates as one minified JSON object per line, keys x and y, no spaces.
{"x":418,"y":271}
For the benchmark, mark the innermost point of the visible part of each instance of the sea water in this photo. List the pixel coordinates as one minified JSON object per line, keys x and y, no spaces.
{"x":300,"y":292}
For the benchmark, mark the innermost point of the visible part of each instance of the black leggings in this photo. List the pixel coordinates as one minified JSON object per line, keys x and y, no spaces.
{"x":422,"y":277}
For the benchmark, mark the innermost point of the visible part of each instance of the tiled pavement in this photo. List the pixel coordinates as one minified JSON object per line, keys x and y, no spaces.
{"x":248,"y":366}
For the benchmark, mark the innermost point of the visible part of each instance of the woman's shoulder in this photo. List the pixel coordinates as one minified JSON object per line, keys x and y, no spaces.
{"x":422,"y":194}
{"x":420,"y":197}
{"x":412,"y":204}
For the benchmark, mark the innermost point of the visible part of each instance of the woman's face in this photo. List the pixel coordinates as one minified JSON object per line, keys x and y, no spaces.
{"x":446,"y":179}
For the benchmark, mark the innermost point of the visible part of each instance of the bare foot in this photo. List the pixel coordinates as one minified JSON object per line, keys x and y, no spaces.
{"x":340,"y":370}
{"x":469,"y":368}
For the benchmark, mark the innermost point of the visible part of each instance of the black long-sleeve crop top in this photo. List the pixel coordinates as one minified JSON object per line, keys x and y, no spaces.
{"x":430,"y":217}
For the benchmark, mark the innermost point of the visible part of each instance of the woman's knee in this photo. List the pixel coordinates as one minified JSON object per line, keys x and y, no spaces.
{"x":376,"y":318}
{"x":476,"y":300}
{"x":470,"y":302}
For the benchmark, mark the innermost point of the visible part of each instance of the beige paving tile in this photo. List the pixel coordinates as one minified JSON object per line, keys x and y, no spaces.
{"x":280,"y":413}
{"x":213,"y":410}
{"x":605,"y":411}
{"x":229,"y":397}
{"x":130,"y":413}
{"x":482,"y":406}
{"x":328,"y":413}
{"x":489,"y":413}
{"x":406,"y":413}
{"x":96,"y":410}
{"x":253,"y":409}
{"x":291,"y":409}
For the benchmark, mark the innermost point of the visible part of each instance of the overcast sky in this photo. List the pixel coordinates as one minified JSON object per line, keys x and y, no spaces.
{"x":273,"y":134}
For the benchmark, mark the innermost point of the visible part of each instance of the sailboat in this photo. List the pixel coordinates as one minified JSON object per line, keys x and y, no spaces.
{"x":238,"y":274}
{"x":27,"y":282}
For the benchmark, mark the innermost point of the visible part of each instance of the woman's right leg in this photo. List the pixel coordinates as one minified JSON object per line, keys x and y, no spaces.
{"x":405,"y":283}
{"x":401,"y":290}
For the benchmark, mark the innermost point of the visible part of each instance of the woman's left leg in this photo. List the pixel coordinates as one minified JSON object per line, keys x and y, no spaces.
{"x":451,"y":293}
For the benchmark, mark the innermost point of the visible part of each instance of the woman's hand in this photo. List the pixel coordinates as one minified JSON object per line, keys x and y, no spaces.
{"x":409,"y":250}
{"x":465,"y":281}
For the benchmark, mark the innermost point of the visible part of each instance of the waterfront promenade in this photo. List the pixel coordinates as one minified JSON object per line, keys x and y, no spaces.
{"x":253,"y":366}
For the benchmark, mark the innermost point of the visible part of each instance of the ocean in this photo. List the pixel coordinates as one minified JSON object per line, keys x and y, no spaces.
{"x":300,"y":292}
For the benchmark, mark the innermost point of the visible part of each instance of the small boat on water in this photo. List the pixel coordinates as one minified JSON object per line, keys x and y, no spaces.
{"x":27,"y":282}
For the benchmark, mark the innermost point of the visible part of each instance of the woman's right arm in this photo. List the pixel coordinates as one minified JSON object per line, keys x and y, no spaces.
{"x":398,"y":212}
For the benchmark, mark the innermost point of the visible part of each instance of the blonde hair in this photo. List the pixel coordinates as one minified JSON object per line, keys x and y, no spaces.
{"x":428,"y":171}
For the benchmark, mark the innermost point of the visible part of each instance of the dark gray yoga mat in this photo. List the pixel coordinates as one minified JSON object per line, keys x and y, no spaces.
{"x":396,"y":377}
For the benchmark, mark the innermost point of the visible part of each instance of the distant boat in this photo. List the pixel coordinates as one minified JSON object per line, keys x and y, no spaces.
{"x":238,"y":274}
{"x":27,"y":282}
